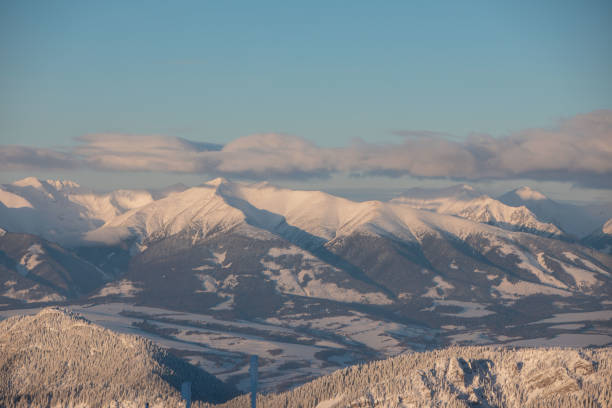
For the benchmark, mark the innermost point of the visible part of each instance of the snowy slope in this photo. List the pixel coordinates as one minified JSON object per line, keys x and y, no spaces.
{"x":461,"y":377}
{"x":57,"y":358}
{"x":221,"y":205}
{"x":601,"y":238}
{"x":199,"y":209}
{"x":607,"y":228}
{"x":465,"y":202}
{"x":67,"y":213}
{"x":10,"y":200}
{"x":62,"y":211}
{"x":576,"y":220}
{"x":328,"y":217}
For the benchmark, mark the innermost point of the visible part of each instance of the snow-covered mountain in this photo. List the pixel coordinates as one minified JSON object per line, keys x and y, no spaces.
{"x":573,"y":219}
{"x":461,"y":377}
{"x":62,"y":211}
{"x":312,"y":244}
{"x":601,"y":239}
{"x":464,"y":201}
{"x":220,"y":205}
{"x":57,"y":358}
{"x":607,"y":227}
{"x":325,"y":280}
{"x":35,"y":270}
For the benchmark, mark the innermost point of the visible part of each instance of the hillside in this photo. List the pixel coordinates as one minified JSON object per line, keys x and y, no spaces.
{"x":58,"y":358}
{"x":35,"y":270}
{"x":601,"y":238}
{"x":461,"y":377}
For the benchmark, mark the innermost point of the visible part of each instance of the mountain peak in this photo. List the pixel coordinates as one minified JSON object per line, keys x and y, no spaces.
{"x":526,"y":193}
{"x":464,"y":191}
{"x":60,"y":313}
{"x":63,"y":184}
{"x":38,"y":184}
{"x":217,"y":182}
{"x":28,"y":182}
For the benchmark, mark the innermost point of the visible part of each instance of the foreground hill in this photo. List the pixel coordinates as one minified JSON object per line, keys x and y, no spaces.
{"x":461,"y":377}
{"x":56,"y":358}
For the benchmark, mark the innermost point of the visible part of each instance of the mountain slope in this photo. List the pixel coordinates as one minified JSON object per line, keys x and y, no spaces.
{"x":58,"y":358}
{"x":601,"y":239}
{"x":576,"y":220}
{"x":461,"y":377}
{"x":465,"y":202}
{"x":35,"y":270}
{"x":219,"y":242}
{"x":62,"y":211}
{"x":198,"y":209}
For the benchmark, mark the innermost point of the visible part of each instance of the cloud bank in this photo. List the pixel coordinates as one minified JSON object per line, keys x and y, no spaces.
{"x":578,"y":149}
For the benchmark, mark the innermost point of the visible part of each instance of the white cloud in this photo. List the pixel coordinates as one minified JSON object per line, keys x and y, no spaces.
{"x":579,"y":149}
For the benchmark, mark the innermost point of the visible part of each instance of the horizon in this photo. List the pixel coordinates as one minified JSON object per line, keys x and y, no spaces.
{"x":353,"y":193}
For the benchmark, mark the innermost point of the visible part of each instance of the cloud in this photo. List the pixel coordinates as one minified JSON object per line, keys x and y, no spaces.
{"x":119,"y":152}
{"x":431,"y":157}
{"x":13,"y":158}
{"x":275,"y":155}
{"x":578,"y":149}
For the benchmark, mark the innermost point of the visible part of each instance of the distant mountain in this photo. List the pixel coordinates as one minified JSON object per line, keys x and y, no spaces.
{"x":601,"y":239}
{"x":465,"y":202}
{"x":573,"y":219}
{"x":251,"y":250}
{"x":57,"y":358}
{"x":461,"y":377}
{"x":62,"y":211}
{"x":35,"y":270}
{"x":256,"y":251}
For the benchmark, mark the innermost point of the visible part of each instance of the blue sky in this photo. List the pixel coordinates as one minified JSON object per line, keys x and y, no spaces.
{"x":327,"y":72}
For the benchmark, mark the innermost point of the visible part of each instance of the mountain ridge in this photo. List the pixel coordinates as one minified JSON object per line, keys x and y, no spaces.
{"x":460,"y":377}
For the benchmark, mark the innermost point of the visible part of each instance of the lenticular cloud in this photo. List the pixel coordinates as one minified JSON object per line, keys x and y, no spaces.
{"x":578,"y":149}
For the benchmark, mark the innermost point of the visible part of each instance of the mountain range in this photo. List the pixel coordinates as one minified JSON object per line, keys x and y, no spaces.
{"x":307,"y":269}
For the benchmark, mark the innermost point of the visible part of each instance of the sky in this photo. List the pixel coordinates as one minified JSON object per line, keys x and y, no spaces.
{"x":327,"y":95}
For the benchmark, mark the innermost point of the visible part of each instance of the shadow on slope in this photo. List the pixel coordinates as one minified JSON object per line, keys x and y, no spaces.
{"x":276,"y":224}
